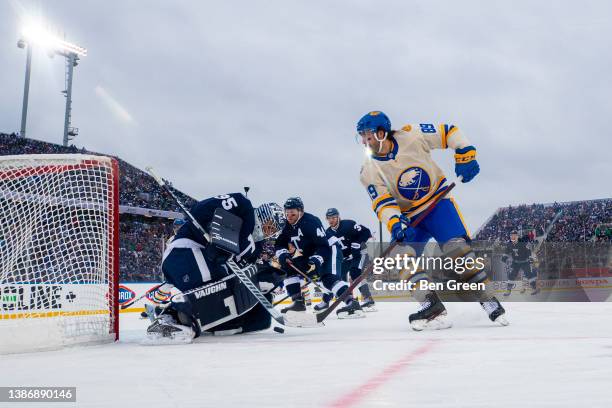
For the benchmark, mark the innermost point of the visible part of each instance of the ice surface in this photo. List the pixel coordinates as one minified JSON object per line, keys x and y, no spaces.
{"x":552,"y":355}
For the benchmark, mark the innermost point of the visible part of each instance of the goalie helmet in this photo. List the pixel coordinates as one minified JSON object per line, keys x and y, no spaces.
{"x":269,"y":221}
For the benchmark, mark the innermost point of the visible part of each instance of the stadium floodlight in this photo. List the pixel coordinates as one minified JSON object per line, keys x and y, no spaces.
{"x":32,"y":34}
{"x":36,"y":34}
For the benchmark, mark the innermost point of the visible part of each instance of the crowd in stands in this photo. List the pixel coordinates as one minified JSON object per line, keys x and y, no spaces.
{"x":136,"y":188}
{"x":577,"y":221}
{"x":141,"y":238}
{"x":142,"y":241}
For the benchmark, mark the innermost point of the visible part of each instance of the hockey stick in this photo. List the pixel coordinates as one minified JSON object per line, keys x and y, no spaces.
{"x":321,"y":316}
{"x":278,"y":302}
{"x":306,"y":277}
{"x":246,"y":281}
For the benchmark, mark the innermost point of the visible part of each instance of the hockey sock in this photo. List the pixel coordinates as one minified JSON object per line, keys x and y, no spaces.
{"x":365,"y":291}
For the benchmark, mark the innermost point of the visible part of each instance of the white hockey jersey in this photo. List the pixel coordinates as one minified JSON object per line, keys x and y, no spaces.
{"x":407,"y":179}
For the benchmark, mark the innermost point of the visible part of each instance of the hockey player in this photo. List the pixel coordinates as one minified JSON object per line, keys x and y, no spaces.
{"x":402,"y":180}
{"x":351,"y":239}
{"x":223,"y":305}
{"x":519,"y":255}
{"x":303,"y":244}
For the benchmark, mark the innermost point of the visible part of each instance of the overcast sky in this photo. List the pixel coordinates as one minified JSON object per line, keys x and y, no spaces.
{"x":225,"y":94}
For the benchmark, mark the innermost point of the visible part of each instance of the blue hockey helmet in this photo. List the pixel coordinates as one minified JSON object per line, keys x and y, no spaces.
{"x":294,"y":202}
{"x":332,"y":212}
{"x":269,"y":221}
{"x":179,"y":222}
{"x":374,"y":121}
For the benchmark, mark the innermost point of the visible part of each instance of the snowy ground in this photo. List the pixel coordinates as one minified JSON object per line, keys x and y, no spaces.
{"x":552,"y":355}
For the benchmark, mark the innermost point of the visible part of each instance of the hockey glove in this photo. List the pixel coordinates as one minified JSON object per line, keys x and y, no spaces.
{"x":283,"y":258}
{"x":402,"y":231}
{"x":314,"y":263}
{"x":466,"y":165}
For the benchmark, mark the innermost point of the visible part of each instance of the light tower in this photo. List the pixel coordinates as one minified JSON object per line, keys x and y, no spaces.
{"x":35,"y":34}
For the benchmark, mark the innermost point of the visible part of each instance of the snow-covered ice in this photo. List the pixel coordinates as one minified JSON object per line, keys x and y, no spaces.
{"x":552,"y":355}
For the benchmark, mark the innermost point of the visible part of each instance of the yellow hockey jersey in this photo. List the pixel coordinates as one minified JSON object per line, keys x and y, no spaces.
{"x":407,"y":179}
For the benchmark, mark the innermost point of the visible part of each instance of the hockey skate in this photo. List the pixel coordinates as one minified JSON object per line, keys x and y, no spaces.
{"x":351,"y":311}
{"x":495,"y":311}
{"x":369,"y":305}
{"x":508,"y":291}
{"x":431,"y":316}
{"x":525,"y":286}
{"x":298,"y":305}
{"x":321,"y":306}
{"x":166,"y":330}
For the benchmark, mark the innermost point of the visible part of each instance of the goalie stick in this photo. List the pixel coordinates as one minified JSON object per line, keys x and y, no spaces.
{"x":287,"y":320}
{"x":321,"y":316}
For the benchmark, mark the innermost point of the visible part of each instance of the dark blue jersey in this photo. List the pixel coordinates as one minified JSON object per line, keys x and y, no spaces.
{"x":203,"y":212}
{"x":308,"y":236}
{"x":519,"y":251}
{"x":349,"y":236}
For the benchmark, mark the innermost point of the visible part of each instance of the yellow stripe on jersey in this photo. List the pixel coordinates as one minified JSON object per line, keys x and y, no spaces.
{"x":389,"y":201}
{"x":392,"y":221}
{"x":445,"y":132}
{"x":443,"y":136}
{"x":461,"y":217}
{"x":376,"y":201}
{"x":440,"y":190}
{"x":380,"y":211}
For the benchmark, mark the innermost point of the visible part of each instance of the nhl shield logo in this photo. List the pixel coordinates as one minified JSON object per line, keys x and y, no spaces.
{"x":414,"y":183}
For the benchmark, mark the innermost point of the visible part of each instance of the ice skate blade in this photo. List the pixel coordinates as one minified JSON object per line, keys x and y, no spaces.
{"x":358,"y":314}
{"x":156,"y":339}
{"x":439,"y":323}
{"x":502,"y":321}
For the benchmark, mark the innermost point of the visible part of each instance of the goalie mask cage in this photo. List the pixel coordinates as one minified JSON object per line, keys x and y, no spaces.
{"x":59,"y":251}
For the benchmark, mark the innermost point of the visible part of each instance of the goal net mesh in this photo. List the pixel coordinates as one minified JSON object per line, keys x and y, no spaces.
{"x":58,"y":251}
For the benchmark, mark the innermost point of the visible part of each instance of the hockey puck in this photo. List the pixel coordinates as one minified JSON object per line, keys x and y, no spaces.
{"x":279,"y":329}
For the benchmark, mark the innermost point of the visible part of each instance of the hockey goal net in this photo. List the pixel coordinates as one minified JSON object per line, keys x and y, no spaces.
{"x":59,"y":251}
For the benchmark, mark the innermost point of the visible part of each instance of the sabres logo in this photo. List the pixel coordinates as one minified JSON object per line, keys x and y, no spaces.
{"x":414,"y":183}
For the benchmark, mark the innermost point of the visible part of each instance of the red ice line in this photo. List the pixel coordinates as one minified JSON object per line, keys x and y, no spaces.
{"x":360,"y":392}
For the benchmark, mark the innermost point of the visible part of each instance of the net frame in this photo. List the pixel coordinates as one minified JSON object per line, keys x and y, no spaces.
{"x":37,"y":166}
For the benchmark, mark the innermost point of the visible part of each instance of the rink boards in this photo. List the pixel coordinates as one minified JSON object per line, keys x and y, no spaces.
{"x":583,"y":289}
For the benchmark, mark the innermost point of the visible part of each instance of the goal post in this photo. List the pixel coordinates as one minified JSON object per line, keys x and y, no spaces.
{"x":59,"y":251}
